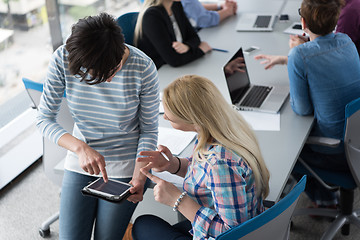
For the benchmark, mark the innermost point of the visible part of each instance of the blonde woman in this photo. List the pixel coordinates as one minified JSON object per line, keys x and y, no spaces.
{"x":226,"y":178}
{"x":165,"y":34}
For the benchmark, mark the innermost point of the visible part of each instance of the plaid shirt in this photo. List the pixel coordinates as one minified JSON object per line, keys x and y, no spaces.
{"x":224,"y":186}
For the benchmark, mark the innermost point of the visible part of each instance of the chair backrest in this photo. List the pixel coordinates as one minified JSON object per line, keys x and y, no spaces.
{"x":352,"y":138}
{"x":52,"y":153}
{"x":273,"y":224}
{"x":127,"y":22}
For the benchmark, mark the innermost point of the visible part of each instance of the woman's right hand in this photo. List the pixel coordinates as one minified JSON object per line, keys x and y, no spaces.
{"x":164,"y":192}
{"x":205,"y":47}
{"x":155,"y":160}
{"x":296,"y":40}
{"x":91,"y":161}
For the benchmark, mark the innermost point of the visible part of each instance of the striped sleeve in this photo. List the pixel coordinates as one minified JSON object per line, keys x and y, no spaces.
{"x":149,"y":109}
{"x":50,"y":102}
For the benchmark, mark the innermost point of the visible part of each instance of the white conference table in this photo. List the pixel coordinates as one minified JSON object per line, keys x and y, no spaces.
{"x":280,"y":149}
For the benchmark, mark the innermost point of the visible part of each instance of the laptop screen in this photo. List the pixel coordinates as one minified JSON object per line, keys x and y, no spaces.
{"x":237,"y":77}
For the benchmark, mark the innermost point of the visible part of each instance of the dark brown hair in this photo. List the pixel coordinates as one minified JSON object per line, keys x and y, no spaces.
{"x":96,"y":45}
{"x":321,"y":16}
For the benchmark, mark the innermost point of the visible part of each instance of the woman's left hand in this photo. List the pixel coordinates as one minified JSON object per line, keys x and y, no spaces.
{"x":164,"y":192}
{"x":137,"y":191}
{"x":271,"y":60}
{"x":180,"y":47}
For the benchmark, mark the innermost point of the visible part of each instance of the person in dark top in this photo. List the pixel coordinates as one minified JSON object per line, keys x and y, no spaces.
{"x":164,"y":33}
{"x":349,"y":21}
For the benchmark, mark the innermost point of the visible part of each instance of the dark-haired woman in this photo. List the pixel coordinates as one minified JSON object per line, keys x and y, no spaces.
{"x":112,"y":92}
{"x":324,"y":75}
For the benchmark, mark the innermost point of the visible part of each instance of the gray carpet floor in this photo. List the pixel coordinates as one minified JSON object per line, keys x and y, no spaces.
{"x":31,"y":198}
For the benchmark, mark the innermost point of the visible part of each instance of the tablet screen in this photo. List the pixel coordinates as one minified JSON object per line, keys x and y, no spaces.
{"x":111,"y":187}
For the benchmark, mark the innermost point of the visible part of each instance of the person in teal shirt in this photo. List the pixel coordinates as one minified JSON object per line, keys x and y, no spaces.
{"x":324,"y":75}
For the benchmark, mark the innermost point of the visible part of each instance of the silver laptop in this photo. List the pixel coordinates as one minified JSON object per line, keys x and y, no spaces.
{"x":250,"y":97}
{"x":259,"y":22}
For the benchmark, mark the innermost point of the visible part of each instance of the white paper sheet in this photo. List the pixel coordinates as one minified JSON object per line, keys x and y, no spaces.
{"x":161,"y":106}
{"x":174,"y":179}
{"x":174,"y":139}
{"x":262,"y":121}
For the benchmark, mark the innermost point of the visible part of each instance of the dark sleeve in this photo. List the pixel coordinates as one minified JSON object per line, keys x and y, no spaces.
{"x":349,"y":23}
{"x":190,"y":37}
{"x":157,"y":32}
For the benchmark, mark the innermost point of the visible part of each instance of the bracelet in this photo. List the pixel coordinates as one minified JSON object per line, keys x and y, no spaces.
{"x":178,"y":167}
{"x":178,"y":201}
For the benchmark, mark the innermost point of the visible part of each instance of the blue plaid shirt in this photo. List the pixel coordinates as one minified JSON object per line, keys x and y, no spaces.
{"x":224,"y":186}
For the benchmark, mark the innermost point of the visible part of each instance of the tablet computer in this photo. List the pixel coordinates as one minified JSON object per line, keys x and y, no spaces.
{"x":113,"y":191}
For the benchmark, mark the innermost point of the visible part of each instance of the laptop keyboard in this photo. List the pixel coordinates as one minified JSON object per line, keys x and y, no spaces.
{"x":262,"y":21}
{"x":256,"y":96}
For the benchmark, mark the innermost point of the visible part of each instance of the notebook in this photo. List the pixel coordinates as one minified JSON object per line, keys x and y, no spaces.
{"x":259,"y":22}
{"x":247,"y":96}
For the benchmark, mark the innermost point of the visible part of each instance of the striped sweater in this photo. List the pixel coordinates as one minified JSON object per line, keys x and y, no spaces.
{"x":118,"y":118}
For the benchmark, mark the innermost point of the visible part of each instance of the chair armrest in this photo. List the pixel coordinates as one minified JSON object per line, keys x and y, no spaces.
{"x":314,"y":174}
{"x":323,"y":141}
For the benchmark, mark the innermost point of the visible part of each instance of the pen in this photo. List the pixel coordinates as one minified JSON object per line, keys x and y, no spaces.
{"x":164,"y":155}
{"x":220,"y":50}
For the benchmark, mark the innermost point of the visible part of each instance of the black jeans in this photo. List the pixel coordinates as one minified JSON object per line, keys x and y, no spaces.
{"x":314,"y":190}
{"x":148,"y":227}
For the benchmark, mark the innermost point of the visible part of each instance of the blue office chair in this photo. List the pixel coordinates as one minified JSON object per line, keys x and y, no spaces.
{"x":127,"y":22}
{"x":333,"y":180}
{"x":53,"y":155}
{"x":273,"y":224}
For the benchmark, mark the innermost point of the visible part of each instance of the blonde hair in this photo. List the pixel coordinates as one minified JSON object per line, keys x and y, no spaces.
{"x":196,"y":100}
{"x":138,"y":28}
